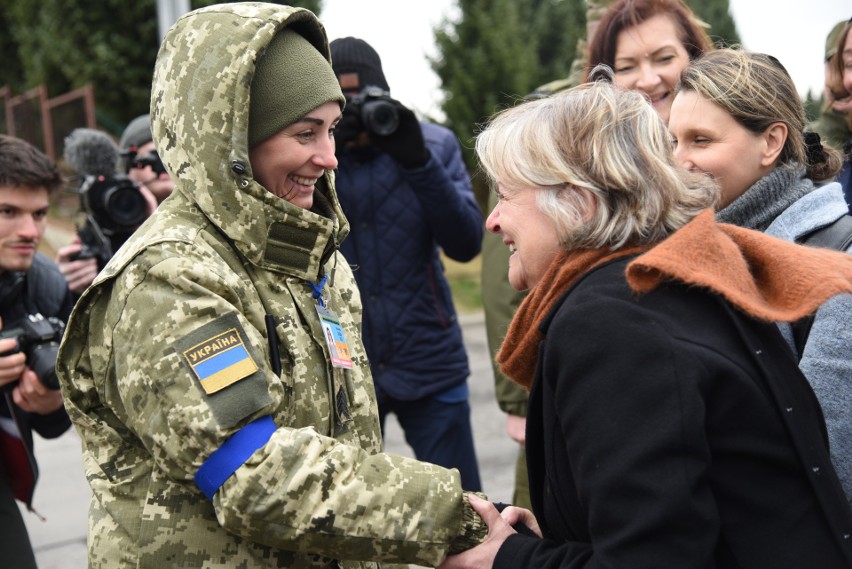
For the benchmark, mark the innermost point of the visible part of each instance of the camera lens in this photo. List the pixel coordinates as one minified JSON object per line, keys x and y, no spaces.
{"x":125,"y":205}
{"x":380,"y":117}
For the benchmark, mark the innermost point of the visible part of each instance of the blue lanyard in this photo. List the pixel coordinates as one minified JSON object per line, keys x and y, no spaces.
{"x":317,"y":295}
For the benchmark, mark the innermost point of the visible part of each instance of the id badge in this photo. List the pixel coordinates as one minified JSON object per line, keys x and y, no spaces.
{"x":334,"y":338}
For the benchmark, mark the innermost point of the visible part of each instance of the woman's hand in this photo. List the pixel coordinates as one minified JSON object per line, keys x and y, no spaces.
{"x":516,"y":427}
{"x":482,"y":556}
{"x":514,"y":516}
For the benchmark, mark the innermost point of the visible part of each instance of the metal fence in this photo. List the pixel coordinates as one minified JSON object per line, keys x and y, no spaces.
{"x":43,"y":121}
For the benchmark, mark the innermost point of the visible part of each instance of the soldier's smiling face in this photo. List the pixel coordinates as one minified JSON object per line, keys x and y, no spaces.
{"x":290,"y":162}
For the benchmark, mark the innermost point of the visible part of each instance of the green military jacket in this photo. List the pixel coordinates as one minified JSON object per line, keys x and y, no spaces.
{"x":223,"y":266}
{"x":832,"y":127}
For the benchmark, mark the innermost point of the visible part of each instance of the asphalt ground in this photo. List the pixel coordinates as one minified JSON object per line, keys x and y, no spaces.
{"x":62,"y":495}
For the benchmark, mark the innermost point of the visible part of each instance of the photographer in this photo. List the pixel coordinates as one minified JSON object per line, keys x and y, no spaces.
{"x":30,"y":285}
{"x":141,"y":165}
{"x":404,"y":187}
{"x":141,"y":161}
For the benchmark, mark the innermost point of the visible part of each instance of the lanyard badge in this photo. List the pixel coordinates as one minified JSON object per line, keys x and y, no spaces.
{"x":332,"y":331}
{"x":334,"y":338}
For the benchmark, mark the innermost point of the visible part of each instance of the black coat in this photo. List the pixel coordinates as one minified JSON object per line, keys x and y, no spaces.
{"x":669,"y":430}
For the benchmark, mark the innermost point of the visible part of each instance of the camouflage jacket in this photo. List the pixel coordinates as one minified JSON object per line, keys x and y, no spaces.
{"x":224,"y":266}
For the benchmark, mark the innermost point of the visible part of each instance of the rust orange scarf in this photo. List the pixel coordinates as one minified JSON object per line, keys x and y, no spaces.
{"x":765,"y":277}
{"x":519,"y":352}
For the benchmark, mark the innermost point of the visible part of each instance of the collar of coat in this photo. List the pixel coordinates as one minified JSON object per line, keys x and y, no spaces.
{"x":763,"y":276}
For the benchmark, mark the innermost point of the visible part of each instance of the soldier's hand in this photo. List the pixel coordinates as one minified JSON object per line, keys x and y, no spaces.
{"x":482,"y":555}
{"x":32,"y":396}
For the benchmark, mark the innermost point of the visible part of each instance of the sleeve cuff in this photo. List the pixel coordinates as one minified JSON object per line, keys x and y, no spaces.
{"x":473,"y":530}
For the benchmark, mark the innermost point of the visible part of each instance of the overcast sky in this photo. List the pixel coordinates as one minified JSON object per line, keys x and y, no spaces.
{"x":794,"y":31}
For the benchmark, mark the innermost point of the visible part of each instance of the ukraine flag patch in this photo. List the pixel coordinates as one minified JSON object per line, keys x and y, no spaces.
{"x":220,"y":361}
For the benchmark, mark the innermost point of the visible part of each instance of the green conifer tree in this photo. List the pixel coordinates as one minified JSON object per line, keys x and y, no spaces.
{"x":65,"y":44}
{"x":497,"y":52}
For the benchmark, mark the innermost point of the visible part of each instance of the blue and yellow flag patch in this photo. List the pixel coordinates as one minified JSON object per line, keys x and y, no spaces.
{"x":219,"y":354}
{"x":220,"y":361}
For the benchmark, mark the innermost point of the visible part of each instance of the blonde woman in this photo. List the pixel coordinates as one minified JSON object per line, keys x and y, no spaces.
{"x":738,"y":119}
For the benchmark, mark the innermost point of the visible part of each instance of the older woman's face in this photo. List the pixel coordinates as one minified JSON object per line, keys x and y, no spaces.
{"x":290,"y":162}
{"x":649,"y":57}
{"x":529,"y":234}
{"x":707,"y":139}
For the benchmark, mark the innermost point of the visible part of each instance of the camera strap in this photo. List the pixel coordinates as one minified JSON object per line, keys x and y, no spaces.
{"x":16,"y":458}
{"x":11,"y":285}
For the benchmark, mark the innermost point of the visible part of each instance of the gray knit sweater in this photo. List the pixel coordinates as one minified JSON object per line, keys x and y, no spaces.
{"x":786,"y":204}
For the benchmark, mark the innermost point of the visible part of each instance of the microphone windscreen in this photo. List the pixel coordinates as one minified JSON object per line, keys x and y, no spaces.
{"x":91,"y":152}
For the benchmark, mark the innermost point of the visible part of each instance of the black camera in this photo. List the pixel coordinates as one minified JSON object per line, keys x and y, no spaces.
{"x":115,"y":202}
{"x":113,"y":207}
{"x":377,"y":111}
{"x":112,"y":204}
{"x":38,"y":338}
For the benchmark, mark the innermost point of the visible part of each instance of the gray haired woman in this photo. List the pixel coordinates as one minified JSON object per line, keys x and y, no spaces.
{"x":668,"y":423}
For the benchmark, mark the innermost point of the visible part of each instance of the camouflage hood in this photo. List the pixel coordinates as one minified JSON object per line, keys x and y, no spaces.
{"x":200,"y":118}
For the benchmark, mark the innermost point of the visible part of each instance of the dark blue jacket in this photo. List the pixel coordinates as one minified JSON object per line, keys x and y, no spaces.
{"x":399,"y":219}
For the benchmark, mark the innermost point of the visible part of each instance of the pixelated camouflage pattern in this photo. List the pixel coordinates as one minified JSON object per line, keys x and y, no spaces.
{"x":319,"y":490}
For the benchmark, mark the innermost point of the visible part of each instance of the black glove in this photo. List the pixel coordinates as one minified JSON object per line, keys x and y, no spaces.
{"x":405,"y":144}
{"x":348,"y":128}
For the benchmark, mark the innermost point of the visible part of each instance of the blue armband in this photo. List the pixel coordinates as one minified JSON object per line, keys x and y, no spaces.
{"x":231,"y":455}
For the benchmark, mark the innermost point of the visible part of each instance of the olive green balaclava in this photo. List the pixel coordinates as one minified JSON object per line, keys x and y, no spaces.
{"x":292,"y":79}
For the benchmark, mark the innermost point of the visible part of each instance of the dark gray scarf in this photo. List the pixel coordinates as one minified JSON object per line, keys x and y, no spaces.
{"x":758,"y":207}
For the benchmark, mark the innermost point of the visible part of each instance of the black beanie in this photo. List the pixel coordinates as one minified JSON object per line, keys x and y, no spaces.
{"x":353,"y":55}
